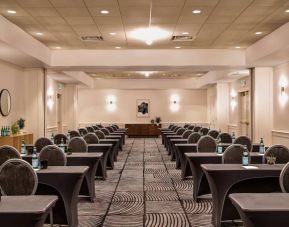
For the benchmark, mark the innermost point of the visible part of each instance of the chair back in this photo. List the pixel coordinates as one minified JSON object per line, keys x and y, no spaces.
{"x":206,"y":144}
{"x":74,"y":133}
{"x":89,"y":129}
{"x":110,"y":129}
{"x":95,"y":127}
{"x":170,"y":126}
{"x":54,"y":155}
{"x":213,"y":133}
{"x":279,"y":151}
{"x":204,"y":131}
{"x":186,"y":125}
{"x":77,"y":144}
{"x":284,"y":179}
{"x":194,"y":137}
{"x":173,"y":127}
{"x":82,"y":131}
{"x":186,"y":134}
{"x":100,"y":126}
{"x":17,"y":177}
{"x":7,"y":152}
{"x":176,"y":129}
{"x":225,"y":137}
{"x":42,"y":142}
{"x":233,"y":154}
{"x":245,"y":141}
{"x":91,"y":138}
{"x":191,"y":127}
{"x":59,"y":137}
{"x":114,"y":128}
{"x":180,"y":131}
{"x":105,"y":131}
{"x":100,"y":135}
{"x":197,"y":128}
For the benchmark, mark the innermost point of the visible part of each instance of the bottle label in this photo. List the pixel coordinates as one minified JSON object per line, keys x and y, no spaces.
{"x":245,"y":161}
{"x":35,"y":163}
{"x":23,"y":150}
{"x":220,"y":149}
{"x":261,"y":149}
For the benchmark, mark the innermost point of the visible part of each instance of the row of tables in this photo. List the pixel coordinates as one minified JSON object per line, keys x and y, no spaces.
{"x":232,"y":186}
{"x":60,"y":186}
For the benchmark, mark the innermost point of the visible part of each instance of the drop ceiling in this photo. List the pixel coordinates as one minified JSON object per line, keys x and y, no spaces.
{"x":221,"y":23}
{"x":146,"y":75}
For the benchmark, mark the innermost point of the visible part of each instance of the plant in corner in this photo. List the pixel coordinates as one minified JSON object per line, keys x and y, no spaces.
{"x":21,"y":123}
{"x":158,"y":120}
{"x":152,"y":121}
{"x":15,"y":128}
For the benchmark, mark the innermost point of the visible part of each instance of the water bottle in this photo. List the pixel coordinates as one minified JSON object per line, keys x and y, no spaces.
{"x":35,"y":161}
{"x":233,"y":137}
{"x":52,"y":138}
{"x":219,"y":147}
{"x":61,"y":146}
{"x":68,"y":135}
{"x":245,"y":158}
{"x":23,"y":148}
{"x":261,"y":147}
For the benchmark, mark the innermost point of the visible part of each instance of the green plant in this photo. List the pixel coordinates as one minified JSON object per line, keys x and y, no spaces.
{"x":21,"y":123}
{"x":152,"y":121}
{"x":15,"y":128}
{"x":158,"y":120}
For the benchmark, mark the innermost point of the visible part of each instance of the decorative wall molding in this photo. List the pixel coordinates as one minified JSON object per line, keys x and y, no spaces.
{"x":52,"y":129}
{"x":280,"y":134}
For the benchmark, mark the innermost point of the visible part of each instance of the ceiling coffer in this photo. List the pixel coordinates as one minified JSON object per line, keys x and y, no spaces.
{"x":183,"y":38}
{"x":92,"y":38}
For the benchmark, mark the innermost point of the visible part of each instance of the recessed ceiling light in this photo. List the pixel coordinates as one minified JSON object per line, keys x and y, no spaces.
{"x":177,"y":47}
{"x":287,"y":11}
{"x":258,"y":33}
{"x":104,"y":12}
{"x":39,"y":33}
{"x":117,"y":47}
{"x":112,"y":33}
{"x":237,"y":47}
{"x":185,"y":33}
{"x":11,"y":11}
{"x":58,"y":48}
{"x":199,"y":74}
{"x":149,"y":35}
{"x":196,"y":11}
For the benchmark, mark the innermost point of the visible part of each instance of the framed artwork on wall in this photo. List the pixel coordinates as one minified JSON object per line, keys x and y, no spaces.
{"x":142,"y":107}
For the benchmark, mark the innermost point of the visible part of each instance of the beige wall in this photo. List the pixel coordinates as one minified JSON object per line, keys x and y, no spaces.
{"x":92,"y":106}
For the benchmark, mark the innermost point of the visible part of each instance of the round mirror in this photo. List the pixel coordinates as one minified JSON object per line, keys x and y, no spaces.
{"x":5,"y":102}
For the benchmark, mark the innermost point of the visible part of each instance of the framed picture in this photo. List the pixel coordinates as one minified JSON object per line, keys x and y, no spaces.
{"x":142,"y":107}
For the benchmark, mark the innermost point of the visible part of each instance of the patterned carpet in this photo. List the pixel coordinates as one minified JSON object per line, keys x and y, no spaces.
{"x":144,"y":189}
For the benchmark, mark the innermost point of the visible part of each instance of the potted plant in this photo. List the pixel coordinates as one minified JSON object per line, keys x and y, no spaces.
{"x":15,"y":128}
{"x":158,"y":120}
{"x":21,"y":124}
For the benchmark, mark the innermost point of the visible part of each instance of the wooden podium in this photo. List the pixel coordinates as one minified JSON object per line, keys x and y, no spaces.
{"x":16,"y":140}
{"x":143,"y":130}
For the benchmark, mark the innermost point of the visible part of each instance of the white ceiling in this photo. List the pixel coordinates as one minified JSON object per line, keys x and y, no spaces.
{"x":222,"y":23}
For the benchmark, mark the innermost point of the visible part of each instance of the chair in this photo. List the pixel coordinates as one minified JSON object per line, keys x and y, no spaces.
{"x":233,"y":154}
{"x":191,"y":127}
{"x":176,"y":129}
{"x":74,"y":133}
{"x":100,"y":126}
{"x":194,"y":137}
{"x":17,"y":177}
{"x":284,"y":179}
{"x":99,"y":134}
{"x":82,"y":131}
{"x":105,"y":131}
{"x":204,"y":131}
{"x":91,"y":138}
{"x":89,"y":129}
{"x":279,"y":151}
{"x":186,"y":126}
{"x":110,"y":129}
{"x":95,"y":127}
{"x":245,"y":141}
{"x":180,"y":131}
{"x":213,"y":133}
{"x":54,"y":155}
{"x":186,"y":134}
{"x":114,"y":128}
{"x":59,"y":137}
{"x":7,"y":152}
{"x":197,"y":128}
{"x":77,"y":144}
{"x":42,"y":142}
{"x":225,"y":137}
{"x":206,"y":144}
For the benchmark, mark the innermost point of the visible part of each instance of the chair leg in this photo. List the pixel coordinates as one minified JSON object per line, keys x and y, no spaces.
{"x":51,"y":218}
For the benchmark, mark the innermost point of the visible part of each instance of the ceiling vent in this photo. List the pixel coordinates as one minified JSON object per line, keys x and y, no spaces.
{"x":183,"y":38}
{"x":92,"y":38}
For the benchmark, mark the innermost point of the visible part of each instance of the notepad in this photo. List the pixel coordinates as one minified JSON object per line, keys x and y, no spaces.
{"x":220,"y":154}
{"x":250,"y":167}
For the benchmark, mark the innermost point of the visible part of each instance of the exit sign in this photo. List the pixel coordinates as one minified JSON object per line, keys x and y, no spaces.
{"x":243,"y":83}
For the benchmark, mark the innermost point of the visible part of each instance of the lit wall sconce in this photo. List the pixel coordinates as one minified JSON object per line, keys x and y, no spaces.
{"x":175,"y":106}
{"x":111,"y":103}
{"x":283,"y":97}
{"x":233,"y":100}
{"x":50,"y":101}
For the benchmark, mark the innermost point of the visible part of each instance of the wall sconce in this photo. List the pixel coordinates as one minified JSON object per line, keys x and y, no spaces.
{"x":175,"y":106}
{"x":233,"y":100}
{"x":283,"y":97}
{"x":50,"y":101}
{"x":111,"y":103}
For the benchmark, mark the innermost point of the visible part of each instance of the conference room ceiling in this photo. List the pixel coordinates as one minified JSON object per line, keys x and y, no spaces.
{"x":146,"y":75}
{"x":221,"y":24}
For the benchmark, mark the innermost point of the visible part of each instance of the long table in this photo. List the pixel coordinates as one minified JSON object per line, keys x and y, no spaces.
{"x":225,"y":179}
